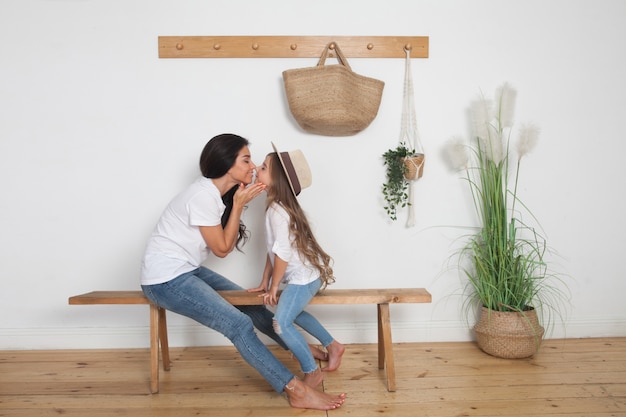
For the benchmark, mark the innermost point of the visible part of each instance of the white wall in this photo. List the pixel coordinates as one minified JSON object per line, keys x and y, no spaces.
{"x":97,"y":134}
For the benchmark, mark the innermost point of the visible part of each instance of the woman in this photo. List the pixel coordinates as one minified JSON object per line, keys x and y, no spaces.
{"x":295,"y":258}
{"x":203,"y":219}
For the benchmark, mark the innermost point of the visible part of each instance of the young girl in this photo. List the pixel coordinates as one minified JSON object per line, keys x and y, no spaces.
{"x":295,"y":258}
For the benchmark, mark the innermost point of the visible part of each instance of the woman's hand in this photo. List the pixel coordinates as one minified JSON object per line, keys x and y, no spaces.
{"x":222,"y":240}
{"x":244,"y":194}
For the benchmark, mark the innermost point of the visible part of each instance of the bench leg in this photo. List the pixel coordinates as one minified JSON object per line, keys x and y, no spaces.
{"x":165,"y":347}
{"x":154,"y":348}
{"x":385,"y":346}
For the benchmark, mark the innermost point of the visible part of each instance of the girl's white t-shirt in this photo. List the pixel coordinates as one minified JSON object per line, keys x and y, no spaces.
{"x":176,"y":245}
{"x":280,"y":243}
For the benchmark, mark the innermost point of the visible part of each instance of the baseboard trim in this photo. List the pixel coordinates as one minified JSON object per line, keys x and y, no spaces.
{"x":196,"y":335}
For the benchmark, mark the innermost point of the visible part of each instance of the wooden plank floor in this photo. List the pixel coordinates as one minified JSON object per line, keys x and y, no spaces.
{"x":573,"y":377}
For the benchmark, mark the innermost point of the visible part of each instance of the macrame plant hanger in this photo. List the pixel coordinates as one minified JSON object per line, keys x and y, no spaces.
{"x":409,"y":135}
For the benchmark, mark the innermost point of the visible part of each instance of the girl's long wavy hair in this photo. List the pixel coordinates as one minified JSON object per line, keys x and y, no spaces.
{"x":217,"y":157}
{"x":304,"y":240}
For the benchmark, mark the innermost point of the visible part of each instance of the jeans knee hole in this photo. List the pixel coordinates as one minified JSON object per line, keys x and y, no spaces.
{"x":276,"y":326}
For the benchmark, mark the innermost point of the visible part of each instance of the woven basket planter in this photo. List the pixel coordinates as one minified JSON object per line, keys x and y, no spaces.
{"x":509,"y":335}
{"x":414,"y":167}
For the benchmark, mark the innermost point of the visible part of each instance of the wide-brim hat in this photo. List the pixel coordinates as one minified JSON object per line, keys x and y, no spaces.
{"x":296,"y":168}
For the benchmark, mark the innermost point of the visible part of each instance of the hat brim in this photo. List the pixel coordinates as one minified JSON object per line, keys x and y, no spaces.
{"x":284,"y":167}
{"x":297,"y":171}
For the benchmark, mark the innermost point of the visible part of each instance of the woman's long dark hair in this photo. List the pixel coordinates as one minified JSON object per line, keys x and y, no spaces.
{"x":217,"y":157}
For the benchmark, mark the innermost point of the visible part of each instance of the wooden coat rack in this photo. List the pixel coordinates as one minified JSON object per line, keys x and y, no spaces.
{"x":290,"y":46}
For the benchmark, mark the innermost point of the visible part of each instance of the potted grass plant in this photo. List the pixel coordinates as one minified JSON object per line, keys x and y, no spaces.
{"x":403,"y":164}
{"x":504,"y":260}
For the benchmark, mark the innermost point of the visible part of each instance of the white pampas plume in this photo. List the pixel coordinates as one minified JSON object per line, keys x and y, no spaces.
{"x":492,"y":146}
{"x":505,"y":96}
{"x":481,"y":112}
{"x":457,"y":152}
{"x":528,"y":138}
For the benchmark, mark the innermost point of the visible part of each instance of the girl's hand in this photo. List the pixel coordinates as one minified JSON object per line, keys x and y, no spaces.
{"x":271,"y":297}
{"x":260,"y":288}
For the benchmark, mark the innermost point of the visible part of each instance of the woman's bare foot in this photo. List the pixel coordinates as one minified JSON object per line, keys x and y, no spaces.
{"x":318,"y":353}
{"x":335,"y":352}
{"x":313,"y":379}
{"x":300,"y":395}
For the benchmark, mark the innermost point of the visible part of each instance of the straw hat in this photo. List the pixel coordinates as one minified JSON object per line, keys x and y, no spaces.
{"x":297,"y":169}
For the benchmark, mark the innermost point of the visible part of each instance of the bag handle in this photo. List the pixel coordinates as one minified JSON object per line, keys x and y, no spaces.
{"x":340,"y":56}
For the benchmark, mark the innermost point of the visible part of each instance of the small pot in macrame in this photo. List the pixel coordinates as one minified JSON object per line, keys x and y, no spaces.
{"x":414,"y":167}
{"x":409,"y":134}
{"x":509,"y":335}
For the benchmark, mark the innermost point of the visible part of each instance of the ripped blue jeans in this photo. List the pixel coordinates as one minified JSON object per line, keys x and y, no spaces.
{"x":290,"y":309}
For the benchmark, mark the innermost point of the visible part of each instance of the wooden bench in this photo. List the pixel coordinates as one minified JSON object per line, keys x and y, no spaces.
{"x":158,"y":325}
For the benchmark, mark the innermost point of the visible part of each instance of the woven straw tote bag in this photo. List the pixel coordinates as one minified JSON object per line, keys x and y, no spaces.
{"x":332,"y":100}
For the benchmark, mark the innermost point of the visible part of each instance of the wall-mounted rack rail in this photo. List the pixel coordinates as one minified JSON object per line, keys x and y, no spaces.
{"x":290,"y":46}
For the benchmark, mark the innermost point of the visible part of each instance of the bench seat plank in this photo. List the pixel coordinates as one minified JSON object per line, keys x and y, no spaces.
{"x":242,"y":297}
{"x":343,"y":296}
{"x":158,"y":327}
{"x":110,"y":297}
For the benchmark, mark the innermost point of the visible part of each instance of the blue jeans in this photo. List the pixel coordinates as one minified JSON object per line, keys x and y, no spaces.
{"x":194,"y":295}
{"x":290,"y":309}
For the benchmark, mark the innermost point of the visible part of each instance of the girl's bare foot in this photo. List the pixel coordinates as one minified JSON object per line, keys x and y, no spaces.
{"x":335,"y":352}
{"x":318,"y":353}
{"x":300,"y":395}
{"x":313,"y":379}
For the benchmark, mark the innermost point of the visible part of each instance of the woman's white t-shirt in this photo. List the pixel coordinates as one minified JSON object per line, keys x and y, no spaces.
{"x":176,"y":245}
{"x":280,"y":243}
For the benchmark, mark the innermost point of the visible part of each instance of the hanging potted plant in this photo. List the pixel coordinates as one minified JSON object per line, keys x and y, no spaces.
{"x":403,"y":164}
{"x":505,"y":259}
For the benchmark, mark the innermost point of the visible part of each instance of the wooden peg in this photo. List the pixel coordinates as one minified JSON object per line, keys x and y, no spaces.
{"x":370,"y":46}
{"x":179,"y":46}
{"x":332,"y":46}
{"x":255,"y":46}
{"x":293,"y":47}
{"x":217,"y":46}
{"x":408,"y":47}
